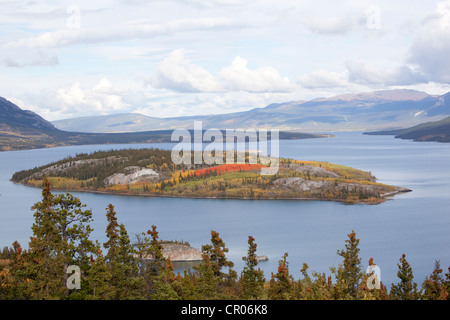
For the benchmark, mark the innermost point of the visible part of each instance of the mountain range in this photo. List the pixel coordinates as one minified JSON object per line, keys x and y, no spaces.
{"x":379,"y":110}
{"x":24,"y":129}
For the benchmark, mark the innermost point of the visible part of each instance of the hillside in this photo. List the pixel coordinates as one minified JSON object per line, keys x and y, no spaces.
{"x":438,"y":131}
{"x":150,"y":172}
{"x":377,"y":110}
{"x":22,"y":129}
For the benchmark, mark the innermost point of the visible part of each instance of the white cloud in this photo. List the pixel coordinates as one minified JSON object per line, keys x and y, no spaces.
{"x":138,"y":29}
{"x":363,"y":73}
{"x":323,"y":79}
{"x":179,"y":74}
{"x":431,"y":48}
{"x":73,"y":100}
{"x":238,"y":77}
{"x":335,"y":25}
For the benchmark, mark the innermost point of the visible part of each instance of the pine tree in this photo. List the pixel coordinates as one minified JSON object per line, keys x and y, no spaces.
{"x":349,"y":273}
{"x":151,"y":259}
{"x":60,"y":238}
{"x":121,"y":260}
{"x":207,"y":286}
{"x":406,"y":289}
{"x":99,"y":277}
{"x":18,"y":272}
{"x":252,"y":279}
{"x":217,"y":257}
{"x":281,"y":283}
{"x":434,"y":286}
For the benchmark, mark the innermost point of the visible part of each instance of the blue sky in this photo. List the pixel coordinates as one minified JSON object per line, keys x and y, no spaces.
{"x":167,"y":58}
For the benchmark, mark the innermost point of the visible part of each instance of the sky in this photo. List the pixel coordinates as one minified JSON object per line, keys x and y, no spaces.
{"x":167,"y":58}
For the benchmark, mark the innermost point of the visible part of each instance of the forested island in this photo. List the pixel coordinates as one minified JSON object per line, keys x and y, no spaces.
{"x":151,"y":172}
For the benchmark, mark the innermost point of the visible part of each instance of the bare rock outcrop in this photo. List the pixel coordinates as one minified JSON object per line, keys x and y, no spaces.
{"x":181,"y":252}
{"x":133,"y":174}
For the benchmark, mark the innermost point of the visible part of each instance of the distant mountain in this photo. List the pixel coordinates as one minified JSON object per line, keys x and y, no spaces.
{"x":15,"y":120}
{"x":379,"y":110}
{"x":22,"y":129}
{"x":438,"y":131}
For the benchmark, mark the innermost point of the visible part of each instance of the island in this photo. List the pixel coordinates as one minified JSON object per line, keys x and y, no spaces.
{"x":151,"y":172}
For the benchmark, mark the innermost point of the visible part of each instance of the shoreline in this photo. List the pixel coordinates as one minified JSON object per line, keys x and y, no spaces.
{"x":382,"y":198}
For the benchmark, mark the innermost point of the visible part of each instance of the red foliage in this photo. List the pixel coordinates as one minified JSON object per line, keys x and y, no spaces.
{"x":227,"y":168}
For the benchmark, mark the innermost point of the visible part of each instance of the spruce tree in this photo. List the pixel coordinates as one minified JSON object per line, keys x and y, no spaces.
{"x":349,"y":273}
{"x":60,"y":238}
{"x":281,"y":283}
{"x":252,"y":279}
{"x":406,"y":289}
{"x":434,"y":286}
{"x":217,"y":257}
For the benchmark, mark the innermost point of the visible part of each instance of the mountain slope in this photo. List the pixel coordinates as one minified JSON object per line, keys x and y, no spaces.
{"x":377,"y":110}
{"x":438,"y":131}
{"x":21,"y":129}
{"x":14,"y":119}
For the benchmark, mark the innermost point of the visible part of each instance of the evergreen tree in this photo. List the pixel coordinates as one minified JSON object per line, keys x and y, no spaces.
{"x":280,"y":284}
{"x":434,"y":286}
{"x":252,"y":279}
{"x":99,"y":277}
{"x":151,"y":259}
{"x":121,"y":260}
{"x":349,"y":273}
{"x":60,"y":238}
{"x":406,"y":289}
{"x":18,"y":272}
{"x":207,"y":285}
{"x":217,"y":257}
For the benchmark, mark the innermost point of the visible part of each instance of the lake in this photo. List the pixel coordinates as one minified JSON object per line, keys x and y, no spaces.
{"x":415,"y":223}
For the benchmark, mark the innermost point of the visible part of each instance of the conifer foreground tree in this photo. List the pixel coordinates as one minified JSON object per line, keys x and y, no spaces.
{"x":406,"y":289}
{"x":349,"y":273}
{"x":60,"y":238}
{"x":125,"y":282}
{"x":434,"y":287}
{"x":252,"y":279}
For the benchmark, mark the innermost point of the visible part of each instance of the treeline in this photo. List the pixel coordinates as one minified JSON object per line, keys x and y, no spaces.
{"x":119,"y":269}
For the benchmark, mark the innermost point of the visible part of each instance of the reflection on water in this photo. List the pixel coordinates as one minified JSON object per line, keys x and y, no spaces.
{"x":180,"y":266}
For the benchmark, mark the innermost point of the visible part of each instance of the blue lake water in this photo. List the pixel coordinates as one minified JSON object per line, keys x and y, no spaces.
{"x":415,"y":223}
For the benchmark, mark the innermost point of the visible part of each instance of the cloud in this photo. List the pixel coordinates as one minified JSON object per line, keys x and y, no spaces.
{"x":141,"y":29}
{"x":323,"y":79}
{"x":73,"y":100}
{"x":179,"y":74}
{"x":363,"y":73}
{"x":238,"y":77}
{"x":41,"y":60}
{"x":430,"y":50}
{"x":335,"y":25}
